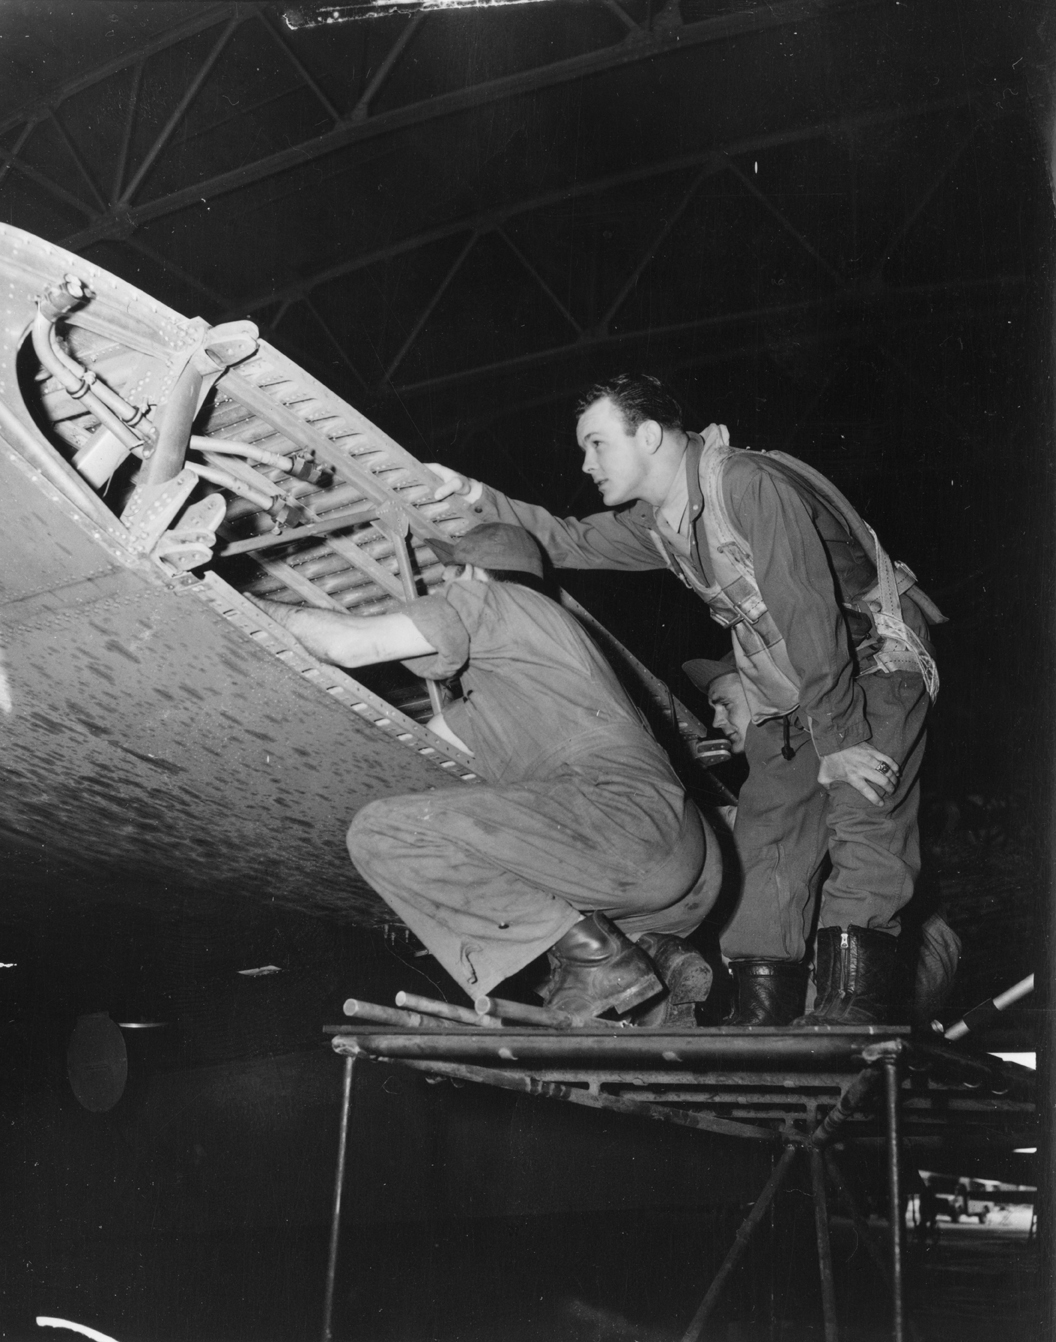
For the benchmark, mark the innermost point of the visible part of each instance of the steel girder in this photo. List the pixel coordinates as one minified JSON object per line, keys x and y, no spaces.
{"x":117,"y":211}
{"x":123,"y":215}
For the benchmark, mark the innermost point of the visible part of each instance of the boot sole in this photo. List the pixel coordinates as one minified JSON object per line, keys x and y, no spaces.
{"x":642,"y":990}
{"x":631,"y":997}
{"x":686,"y":974}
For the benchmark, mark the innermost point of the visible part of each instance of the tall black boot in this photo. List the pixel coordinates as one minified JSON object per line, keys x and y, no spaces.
{"x":858,"y":977}
{"x":595,"y":967}
{"x":769,"y":992}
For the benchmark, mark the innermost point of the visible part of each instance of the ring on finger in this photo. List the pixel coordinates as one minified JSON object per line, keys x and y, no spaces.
{"x":884,"y":768}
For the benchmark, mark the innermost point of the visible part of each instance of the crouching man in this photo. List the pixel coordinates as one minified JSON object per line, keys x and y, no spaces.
{"x":583,"y":841}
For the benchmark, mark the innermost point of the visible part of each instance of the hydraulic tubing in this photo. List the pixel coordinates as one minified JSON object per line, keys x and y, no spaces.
{"x":75,"y":380}
{"x":228,"y":481}
{"x":124,"y":410}
{"x":247,"y":450}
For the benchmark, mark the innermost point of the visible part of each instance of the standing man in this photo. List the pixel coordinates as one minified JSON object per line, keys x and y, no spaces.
{"x":583,"y":840}
{"x":929,"y":962}
{"x":831,"y":644}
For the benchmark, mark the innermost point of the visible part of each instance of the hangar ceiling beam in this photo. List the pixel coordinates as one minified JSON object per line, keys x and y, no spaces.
{"x":278,"y":33}
{"x":283,"y":308}
{"x":631,"y":50}
{"x":121,"y":166}
{"x":501,"y":233}
{"x":189,"y":95}
{"x":11,"y":160}
{"x":806,"y":306}
{"x":362,"y":108}
{"x":484,"y":220}
{"x":614,"y":7}
{"x":416,"y":330}
{"x":77,"y":157}
{"x":918,"y":209}
{"x":178,"y":272}
{"x":665,"y":228}
{"x":211,"y":18}
{"x":781,"y":218}
{"x":338,"y":347}
{"x":850,"y":333}
{"x":10,"y":156}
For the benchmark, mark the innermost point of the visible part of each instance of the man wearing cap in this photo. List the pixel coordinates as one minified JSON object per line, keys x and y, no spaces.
{"x":720,"y":682}
{"x":582,"y":841}
{"x":834,"y":658}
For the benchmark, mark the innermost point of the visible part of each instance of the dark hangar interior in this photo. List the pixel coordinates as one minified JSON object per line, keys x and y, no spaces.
{"x":827,"y":224}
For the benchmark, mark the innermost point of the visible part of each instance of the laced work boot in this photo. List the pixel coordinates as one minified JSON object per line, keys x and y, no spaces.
{"x":857,"y":975}
{"x":769,"y":992}
{"x":686,"y":976}
{"x":596,"y":968}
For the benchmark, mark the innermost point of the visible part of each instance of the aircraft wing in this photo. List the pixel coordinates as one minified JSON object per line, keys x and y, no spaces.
{"x":162,"y":736}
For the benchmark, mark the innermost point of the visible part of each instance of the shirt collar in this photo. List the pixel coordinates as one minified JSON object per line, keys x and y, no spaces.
{"x":674,"y":509}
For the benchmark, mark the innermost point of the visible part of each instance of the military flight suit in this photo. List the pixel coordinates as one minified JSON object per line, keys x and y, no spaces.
{"x":809,"y":570}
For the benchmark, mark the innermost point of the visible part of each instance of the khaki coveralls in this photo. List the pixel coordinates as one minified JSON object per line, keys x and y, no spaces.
{"x":582,"y":810}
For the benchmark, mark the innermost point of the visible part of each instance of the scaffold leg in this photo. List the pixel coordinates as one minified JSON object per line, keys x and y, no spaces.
{"x":695,"y":1331}
{"x":339,"y":1184}
{"x":891,"y":1086}
{"x":865,"y":1233}
{"x":821,"y":1227}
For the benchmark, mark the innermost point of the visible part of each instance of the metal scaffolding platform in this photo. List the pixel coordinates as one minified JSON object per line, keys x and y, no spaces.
{"x":797,"y":1090}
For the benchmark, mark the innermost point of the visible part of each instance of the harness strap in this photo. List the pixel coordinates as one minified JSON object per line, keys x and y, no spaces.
{"x":857,"y":525}
{"x":900,"y":648}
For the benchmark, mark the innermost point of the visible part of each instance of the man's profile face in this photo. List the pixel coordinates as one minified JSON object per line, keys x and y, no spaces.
{"x":731,"y":714}
{"x":615,"y":459}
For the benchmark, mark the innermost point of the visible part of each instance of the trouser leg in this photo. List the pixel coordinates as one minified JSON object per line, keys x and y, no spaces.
{"x":875,"y":850}
{"x":786,"y":822}
{"x":781,"y":840}
{"x":489,"y":878}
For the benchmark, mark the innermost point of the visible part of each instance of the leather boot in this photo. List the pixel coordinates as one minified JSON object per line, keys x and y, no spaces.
{"x":686,"y":976}
{"x":858,"y":978}
{"x":595,"y":968}
{"x":769,"y":992}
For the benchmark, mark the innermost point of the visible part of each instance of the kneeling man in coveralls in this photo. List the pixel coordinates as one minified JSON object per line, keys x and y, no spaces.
{"x":583,"y":840}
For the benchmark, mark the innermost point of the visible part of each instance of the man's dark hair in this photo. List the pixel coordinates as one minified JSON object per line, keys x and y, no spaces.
{"x":638,"y":397}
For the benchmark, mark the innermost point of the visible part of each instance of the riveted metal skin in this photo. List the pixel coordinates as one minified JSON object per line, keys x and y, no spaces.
{"x":161,"y":732}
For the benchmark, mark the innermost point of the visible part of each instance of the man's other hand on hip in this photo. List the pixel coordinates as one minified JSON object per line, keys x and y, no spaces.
{"x":873,"y":773}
